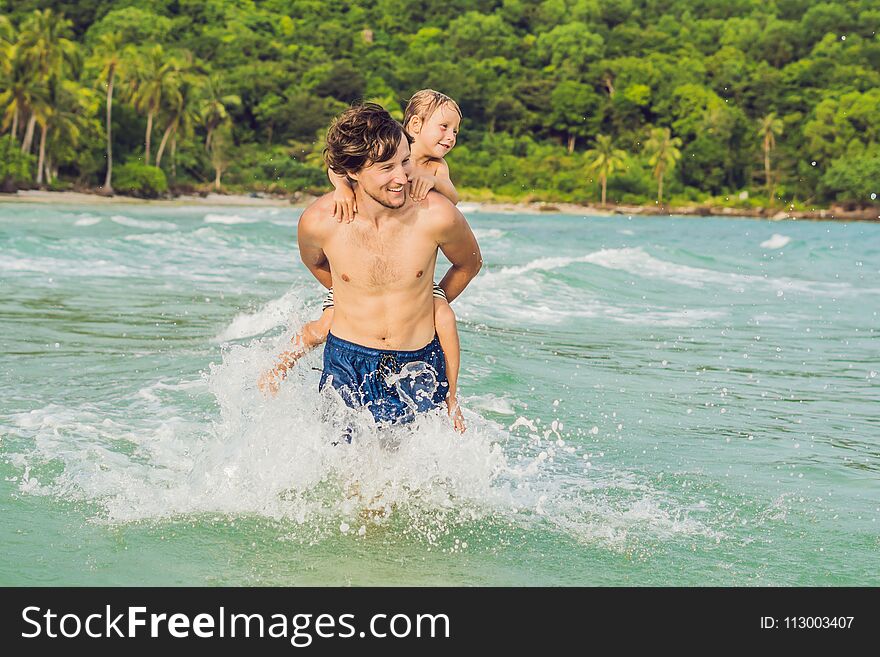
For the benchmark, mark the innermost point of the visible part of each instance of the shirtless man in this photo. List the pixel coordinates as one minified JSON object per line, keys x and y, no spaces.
{"x":381,"y":268}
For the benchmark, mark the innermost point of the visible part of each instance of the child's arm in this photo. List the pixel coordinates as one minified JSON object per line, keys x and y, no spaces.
{"x":344,"y":206}
{"x":443,"y":183}
{"x":440,"y":181}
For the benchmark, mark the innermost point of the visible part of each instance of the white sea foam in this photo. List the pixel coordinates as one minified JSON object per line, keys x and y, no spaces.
{"x":515,"y":294}
{"x":776,"y":241}
{"x":613,"y":523}
{"x":54,"y":266}
{"x":488,"y":233}
{"x":122,"y":220}
{"x":230,"y":219}
{"x":637,"y":261}
{"x":269,"y":316}
{"x":154,"y":459}
{"x":539,"y":264}
{"x":491,"y":403}
{"x":87,"y":220}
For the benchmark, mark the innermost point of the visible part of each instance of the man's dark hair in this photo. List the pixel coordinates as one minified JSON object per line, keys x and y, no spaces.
{"x":360,"y":136}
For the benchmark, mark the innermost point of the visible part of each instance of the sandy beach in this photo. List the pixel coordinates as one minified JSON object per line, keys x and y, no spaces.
{"x":300,"y":199}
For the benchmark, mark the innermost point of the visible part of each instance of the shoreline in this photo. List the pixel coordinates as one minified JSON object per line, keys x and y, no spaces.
{"x":300,"y":199}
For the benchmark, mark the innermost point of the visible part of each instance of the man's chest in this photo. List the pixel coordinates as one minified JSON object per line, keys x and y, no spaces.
{"x":366,"y":257}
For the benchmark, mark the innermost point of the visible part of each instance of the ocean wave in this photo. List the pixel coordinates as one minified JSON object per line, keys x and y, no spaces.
{"x":275,"y":313}
{"x":776,"y":241}
{"x":637,"y":261}
{"x":122,"y":220}
{"x":58,"y":267}
{"x":489,"y":233}
{"x":229,"y":219}
{"x":87,"y":220}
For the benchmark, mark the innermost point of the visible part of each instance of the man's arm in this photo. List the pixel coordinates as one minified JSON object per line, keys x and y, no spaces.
{"x":456,"y":239}
{"x":309,"y":235}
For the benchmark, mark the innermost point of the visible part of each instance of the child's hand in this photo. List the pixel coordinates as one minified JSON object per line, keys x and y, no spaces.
{"x":420,"y":186}
{"x":455,"y":415}
{"x":269,"y":383}
{"x":344,"y":206}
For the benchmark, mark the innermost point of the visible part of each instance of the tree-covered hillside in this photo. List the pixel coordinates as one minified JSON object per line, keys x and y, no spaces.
{"x":755,"y":101}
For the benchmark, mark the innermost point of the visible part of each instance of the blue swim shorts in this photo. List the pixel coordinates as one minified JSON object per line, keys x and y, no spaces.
{"x":393,"y":385}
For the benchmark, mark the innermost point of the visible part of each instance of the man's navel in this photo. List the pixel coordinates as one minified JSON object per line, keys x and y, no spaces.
{"x":345,"y":278}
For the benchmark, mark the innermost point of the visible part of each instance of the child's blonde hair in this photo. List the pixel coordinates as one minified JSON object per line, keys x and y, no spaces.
{"x":424,"y":103}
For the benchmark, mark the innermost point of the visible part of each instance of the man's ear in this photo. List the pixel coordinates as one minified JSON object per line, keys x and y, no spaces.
{"x":351,"y":176}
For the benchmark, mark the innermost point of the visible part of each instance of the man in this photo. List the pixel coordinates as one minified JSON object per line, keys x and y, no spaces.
{"x":382,"y":340}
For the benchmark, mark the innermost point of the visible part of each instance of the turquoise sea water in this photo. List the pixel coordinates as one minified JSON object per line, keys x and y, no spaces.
{"x":650,"y":401}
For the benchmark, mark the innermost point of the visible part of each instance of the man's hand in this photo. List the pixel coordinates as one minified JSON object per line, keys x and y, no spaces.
{"x":344,"y":205}
{"x":420,"y":186}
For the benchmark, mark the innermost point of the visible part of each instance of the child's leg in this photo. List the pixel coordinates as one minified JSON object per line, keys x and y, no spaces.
{"x":314,"y":333}
{"x":309,"y":336}
{"x":447,"y":333}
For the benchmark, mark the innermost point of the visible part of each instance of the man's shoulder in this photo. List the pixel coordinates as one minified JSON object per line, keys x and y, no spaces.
{"x":317,"y":215}
{"x":440,"y":216}
{"x":438,"y":208}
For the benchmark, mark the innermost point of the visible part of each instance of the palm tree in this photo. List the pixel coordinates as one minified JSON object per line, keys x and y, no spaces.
{"x":768,"y":127}
{"x":22,"y":91}
{"x":182,"y":104}
{"x":215,"y":115}
{"x":74,"y":110}
{"x":662,"y":149}
{"x":42,"y":113}
{"x":112,"y":58}
{"x":7,"y":54}
{"x":215,"y":107}
{"x":220,"y":147}
{"x":152,"y":80}
{"x":605,"y":160}
{"x":46,"y":52}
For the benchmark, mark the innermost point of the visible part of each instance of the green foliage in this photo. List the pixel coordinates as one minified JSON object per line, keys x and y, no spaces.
{"x":534,"y":79}
{"x":137,"y":179}
{"x":854,"y":179}
{"x":15,"y":166}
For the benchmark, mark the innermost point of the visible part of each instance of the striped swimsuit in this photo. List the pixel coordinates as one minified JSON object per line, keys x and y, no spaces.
{"x":328,"y":300}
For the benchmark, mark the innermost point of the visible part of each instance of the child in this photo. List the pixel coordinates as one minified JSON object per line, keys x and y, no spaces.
{"x":432,"y":120}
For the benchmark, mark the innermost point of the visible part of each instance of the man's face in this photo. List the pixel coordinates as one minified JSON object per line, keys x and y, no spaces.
{"x":387,"y":182}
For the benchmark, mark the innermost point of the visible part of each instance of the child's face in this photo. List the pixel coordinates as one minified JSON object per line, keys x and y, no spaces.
{"x":438,"y":133}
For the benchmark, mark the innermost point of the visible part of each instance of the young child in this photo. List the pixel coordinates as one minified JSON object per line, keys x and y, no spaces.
{"x":432,"y":120}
